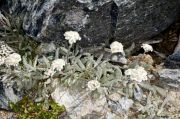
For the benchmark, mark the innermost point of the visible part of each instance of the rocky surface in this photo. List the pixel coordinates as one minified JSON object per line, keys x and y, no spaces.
{"x":170,"y":79}
{"x":83,"y":104}
{"x":7,"y":115}
{"x":8,"y":93}
{"x":173,"y":61}
{"x":79,"y":103}
{"x":96,"y":20}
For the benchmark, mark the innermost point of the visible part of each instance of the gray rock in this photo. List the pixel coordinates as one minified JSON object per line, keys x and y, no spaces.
{"x":139,"y":20}
{"x":170,"y":78}
{"x":173,"y":61}
{"x":8,"y":94}
{"x":121,"y":106}
{"x":96,"y":20}
{"x":79,"y":103}
{"x":82,"y":103}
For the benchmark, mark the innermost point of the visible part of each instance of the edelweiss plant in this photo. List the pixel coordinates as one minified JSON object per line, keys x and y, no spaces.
{"x":137,"y":74}
{"x":116,"y":47}
{"x":72,"y":37}
{"x":93,"y":85}
{"x":147,"y":47}
{"x":13,"y":59}
{"x":33,"y":76}
{"x":57,"y":65}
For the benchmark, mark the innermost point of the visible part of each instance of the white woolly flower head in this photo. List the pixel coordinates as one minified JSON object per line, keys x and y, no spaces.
{"x":93,"y":85}
{"x":72,"y":36}
{"x":147,"y":47}
{"x":138,"y":74}
{"x":58,"y":64}
{"x":13,"y":59}
{"x":116,"y":47}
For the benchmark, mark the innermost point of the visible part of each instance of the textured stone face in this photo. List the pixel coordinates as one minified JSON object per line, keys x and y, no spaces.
{"x":96,"y":20}
{"x":140,"y":19}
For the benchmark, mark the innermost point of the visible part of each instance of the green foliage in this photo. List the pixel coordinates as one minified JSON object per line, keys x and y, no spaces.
{"x":27,"y":109}
{"x":85,"y":67}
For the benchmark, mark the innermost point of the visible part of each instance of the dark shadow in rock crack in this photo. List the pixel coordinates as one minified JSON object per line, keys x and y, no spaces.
{"x":114,"y":16}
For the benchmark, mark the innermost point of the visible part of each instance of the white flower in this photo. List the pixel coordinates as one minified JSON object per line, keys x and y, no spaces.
{"x":93,"y":85}
{"x":116,"y":47}
{"x":58,"y":64}
{"x":147,"y":47}
{"x":138,"y":74}
{"x":13,"y":59}
{"x":72,"y":36}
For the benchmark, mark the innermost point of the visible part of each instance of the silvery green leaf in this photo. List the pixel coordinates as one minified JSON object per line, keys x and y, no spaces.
{"x":118,"y":73}
{"x":69,"y":67}
{"x":27,"y":65}
{"x":141,"y":116}
{"x":130,"y":90}
{"x":163,"y":104}
{"x":98,"y":61}
{"x":148,"y":87}
{"x":63,"y":50}
{"x":74,"y":81}
{"x":149,"y":98}
{"x":77,"y":68}
{"x":38,"y":77}
{"x":57,"y":53}
{"x":99,"y":73}
{"x":161,"y":91}
{"x":110,"y":83}
{"x":112,"y":77}
{"x":64,"y":78}
{"x":46,"y":61}
{"x":89,"y":63}
{"x":35,"y":61}
{"x":30,"y":62}
{"x":80,"y":64}
{"x":69,"y":82}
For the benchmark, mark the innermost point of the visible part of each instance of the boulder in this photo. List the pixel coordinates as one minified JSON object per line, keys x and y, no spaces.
{"x":139,"y":20}
{"x":97,"y":21}
{"x":170,"y":79}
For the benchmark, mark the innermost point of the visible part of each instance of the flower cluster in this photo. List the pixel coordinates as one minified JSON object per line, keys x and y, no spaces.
{"x":72,"y":36}
{"x":138,"y":74}
{"x":147,"y":47}
{"x":12,"y":60}
{"x":57,"y":65}
{"x":116,"y":47}
{"x":93,"y":85}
